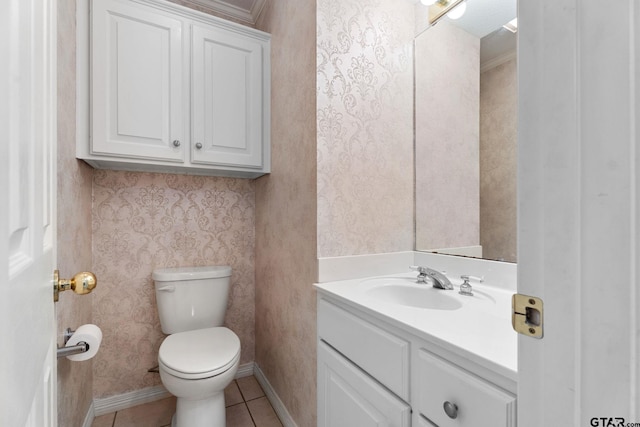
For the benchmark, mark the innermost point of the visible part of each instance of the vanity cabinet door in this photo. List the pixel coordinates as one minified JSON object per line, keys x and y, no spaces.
{"x":137,"y":59}
{"x":470,"y":401}
{"x":382,"y":354}
{"x":348,"y":397}
{"x":227,"y":99}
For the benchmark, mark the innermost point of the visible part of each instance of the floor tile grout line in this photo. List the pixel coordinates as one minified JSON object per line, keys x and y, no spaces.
{"x":250,"y":414}
{"x":240,"y":390}
{"x":235,"y":404}
{"x":242,"y":394}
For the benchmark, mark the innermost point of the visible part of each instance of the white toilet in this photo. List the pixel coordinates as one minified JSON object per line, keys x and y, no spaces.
{"x":199,"y":358}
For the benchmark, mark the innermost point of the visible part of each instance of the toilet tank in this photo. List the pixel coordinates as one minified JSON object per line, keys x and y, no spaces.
{"x":191,"y":297}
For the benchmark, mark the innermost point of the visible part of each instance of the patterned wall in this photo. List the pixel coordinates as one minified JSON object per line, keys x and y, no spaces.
{"x":145,"y":221}
{"x":498,"y":161}
{"x":365,"y":126}
{"x":75,"y":379}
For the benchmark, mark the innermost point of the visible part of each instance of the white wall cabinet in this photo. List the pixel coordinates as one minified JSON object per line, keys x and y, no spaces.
{"x":363,"y":361}
{"x":176,"y":90}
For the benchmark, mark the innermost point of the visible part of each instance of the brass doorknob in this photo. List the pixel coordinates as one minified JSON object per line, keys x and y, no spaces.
{"x":82,"y":283}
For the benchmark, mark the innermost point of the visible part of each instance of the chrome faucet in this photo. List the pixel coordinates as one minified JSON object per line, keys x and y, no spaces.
{"x":438,"y":279}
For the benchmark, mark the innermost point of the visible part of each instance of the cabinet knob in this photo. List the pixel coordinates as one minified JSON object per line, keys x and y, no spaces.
{"x":451,"y":409}
{"x":176,"y":143}
{"x":198,"y":145}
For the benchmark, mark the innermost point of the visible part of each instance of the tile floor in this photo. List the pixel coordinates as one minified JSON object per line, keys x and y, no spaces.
{"x":246,"y":404}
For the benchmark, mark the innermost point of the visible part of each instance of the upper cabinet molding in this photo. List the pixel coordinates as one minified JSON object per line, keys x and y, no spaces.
{"x":243,"y":14}
{"x":196,"y":15}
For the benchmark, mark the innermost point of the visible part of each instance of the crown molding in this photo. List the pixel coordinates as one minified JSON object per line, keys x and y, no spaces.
{"x":499,"y":60}
{"x":231,"y":11}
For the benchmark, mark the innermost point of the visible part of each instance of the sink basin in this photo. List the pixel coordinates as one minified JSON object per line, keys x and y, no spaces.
{"x":403,"y":291}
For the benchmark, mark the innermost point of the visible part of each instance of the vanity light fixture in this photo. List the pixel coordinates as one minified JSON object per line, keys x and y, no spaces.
{"x":512,"y":25}
{"x":454,"y":9}
{"x":457,"y":11}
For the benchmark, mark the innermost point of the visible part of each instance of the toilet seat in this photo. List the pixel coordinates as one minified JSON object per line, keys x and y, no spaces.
{"x":198,"y":354}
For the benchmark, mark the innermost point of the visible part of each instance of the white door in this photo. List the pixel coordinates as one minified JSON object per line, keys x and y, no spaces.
{"x":578,"y":231}
{"x":27,"y":218}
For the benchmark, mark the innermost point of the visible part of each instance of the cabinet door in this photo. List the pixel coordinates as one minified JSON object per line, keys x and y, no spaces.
{"x":348,"y":397}
{"x":380,"y":353}
{"x":227,"y":101}
{"x":137,"y":77}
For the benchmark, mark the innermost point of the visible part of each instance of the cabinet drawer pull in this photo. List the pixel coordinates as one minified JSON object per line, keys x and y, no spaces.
{"x":198,"y":145}
{"x":451,"y":409}
{"x":176,"y":143}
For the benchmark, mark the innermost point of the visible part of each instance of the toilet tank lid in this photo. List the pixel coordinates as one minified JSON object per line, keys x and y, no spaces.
{"x":191,"y":273}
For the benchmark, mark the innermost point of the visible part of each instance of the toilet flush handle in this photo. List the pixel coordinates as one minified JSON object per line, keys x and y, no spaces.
{"x":169,"y":288}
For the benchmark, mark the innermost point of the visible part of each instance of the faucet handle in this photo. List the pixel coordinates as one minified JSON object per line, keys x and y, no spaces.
{"x":422,"y":273}
{"x":467,"y":277}
{"x":465,"y":288}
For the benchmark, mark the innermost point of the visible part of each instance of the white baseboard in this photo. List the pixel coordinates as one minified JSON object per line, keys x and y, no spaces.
{"x":119,"y":402}
{"x":245,"y":370}
{"x":278,"y":406}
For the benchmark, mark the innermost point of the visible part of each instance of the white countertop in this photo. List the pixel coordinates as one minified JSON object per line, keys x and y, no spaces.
{"x":479,"y":331}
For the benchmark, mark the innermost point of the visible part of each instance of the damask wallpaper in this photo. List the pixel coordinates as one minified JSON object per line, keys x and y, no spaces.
{"x":365,"y":126}
{"x":145,"y":221}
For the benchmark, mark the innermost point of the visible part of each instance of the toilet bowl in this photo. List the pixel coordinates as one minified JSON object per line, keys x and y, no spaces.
{"x":196,"y":366}
{"x":200,"y":357}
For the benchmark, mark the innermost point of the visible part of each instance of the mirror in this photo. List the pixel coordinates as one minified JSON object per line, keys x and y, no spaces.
{"x":466,"y":132}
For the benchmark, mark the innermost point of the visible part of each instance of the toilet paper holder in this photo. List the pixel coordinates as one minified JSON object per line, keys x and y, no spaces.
{"x":81,"y":347}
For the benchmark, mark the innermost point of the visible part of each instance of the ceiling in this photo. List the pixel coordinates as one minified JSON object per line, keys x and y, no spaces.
{"x":240,"y":10}
{"x":482,"y":17}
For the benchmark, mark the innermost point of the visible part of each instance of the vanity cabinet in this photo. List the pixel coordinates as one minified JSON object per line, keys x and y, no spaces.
{"x":363,"y":361}
{"x":175,"y":90}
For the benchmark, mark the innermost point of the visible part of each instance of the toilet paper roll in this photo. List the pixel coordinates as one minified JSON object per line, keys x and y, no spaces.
{"x":90,"y":334}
